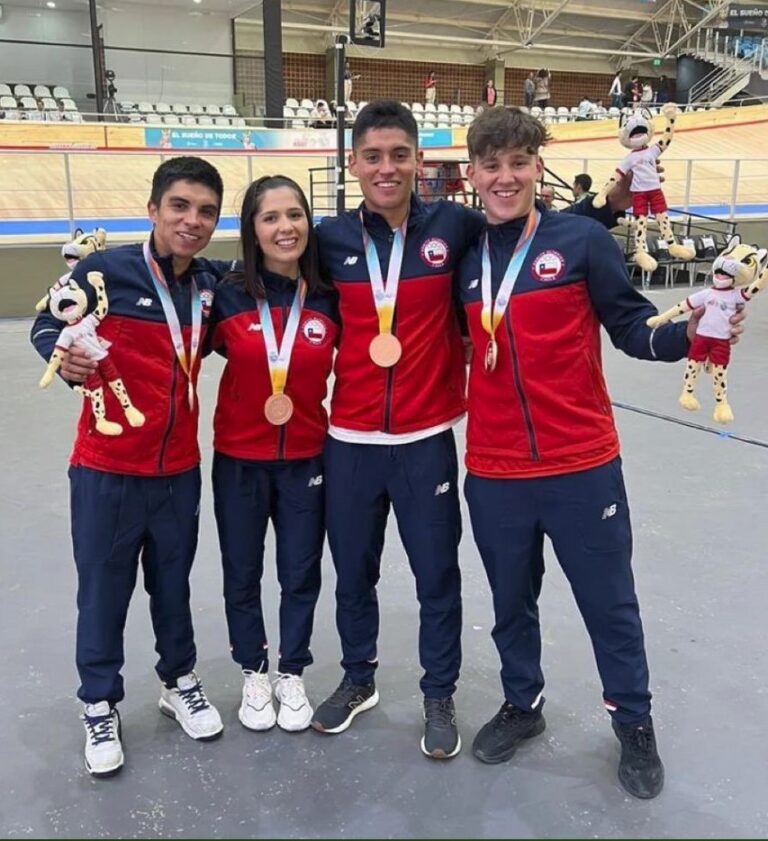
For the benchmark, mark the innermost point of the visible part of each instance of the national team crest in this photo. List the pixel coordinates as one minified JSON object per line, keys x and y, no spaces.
{"x":434,"y":252}
{"x":548,"y":266}
{"x":314,"y":331}
{"x":206,"y":301}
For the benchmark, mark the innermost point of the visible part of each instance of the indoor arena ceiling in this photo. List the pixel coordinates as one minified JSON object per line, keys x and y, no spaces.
{"x":630,"y":28}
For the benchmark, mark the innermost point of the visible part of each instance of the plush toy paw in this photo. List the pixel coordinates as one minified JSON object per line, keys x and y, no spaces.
{"x":599,"y":200}
{"x":655,"y":321}
{"x":681,"y":252}
{"x":670,"y":111}
{"x":645,"y":261}
{"x":688,"y":401}
{"x":106,"y":427}
{"x":134,"y":417}
{"x":722,"y":413}
{"x":47,"y":379}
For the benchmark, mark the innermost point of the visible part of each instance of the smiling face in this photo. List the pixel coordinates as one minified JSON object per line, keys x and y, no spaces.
{"x":184,"y":221}
{"x":506,"y":182}
{"x":385,"y":161}
{"x":282,"y":230}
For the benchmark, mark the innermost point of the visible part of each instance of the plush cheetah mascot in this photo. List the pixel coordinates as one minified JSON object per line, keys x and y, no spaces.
{"x":635,"y":133}
{"x":736,"y":278}
{"x":68,"y":302}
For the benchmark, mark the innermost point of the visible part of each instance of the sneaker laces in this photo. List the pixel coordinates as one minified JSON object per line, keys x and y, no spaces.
{"x":641,"y":740}
{"x":507,"y":713}
{"x":257,"y":687}
{"x":194,"y":698}
{"x":292,"y":690}
{"x":101,"y":728}
{"x":440,"y":712}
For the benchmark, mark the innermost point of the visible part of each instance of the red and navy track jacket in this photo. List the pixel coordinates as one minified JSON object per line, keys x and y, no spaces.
{"x":144,"y":355}
{"x":426,"y":387}
{"x":545,"y":410}
{"x":240,"y":428}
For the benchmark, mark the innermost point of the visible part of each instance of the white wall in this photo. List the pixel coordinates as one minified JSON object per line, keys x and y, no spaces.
{"x":44,"y":63}
{"x":169,"y":77}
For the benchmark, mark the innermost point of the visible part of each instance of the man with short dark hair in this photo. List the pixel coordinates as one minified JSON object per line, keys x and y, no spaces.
{"x":547,"y":195}
{"x":582,"y":184}
{"x":135,"y":490}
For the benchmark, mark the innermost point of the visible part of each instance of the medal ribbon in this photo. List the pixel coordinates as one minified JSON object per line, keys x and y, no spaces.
{"x":384,"y":297}
{"x":172,"y":319}
{"x":278,"y":359}
{"x":493,"y":311}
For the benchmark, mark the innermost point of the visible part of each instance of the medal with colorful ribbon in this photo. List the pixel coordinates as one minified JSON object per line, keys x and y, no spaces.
{"x":493,"y":310}
{"x":187,"y":363}
{"x":278,"y":407}
{"x":385,"y":349}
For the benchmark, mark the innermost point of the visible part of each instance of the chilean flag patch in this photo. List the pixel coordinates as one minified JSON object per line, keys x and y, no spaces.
{"x":548,"y":266}
{"x":314,"y":331}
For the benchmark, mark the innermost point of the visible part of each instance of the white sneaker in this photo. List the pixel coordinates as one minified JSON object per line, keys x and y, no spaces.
{"x":256,"y":711}
{"x":187,"y":703}
{"x":103,"y":750}
{"x":295,"y":709}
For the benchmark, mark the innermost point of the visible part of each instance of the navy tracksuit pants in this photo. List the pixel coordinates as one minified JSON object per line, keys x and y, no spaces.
{"x":117,"y":521}
{"x":586,"y":516}
{"x":419,"y":481}
{"x":247,"y":494}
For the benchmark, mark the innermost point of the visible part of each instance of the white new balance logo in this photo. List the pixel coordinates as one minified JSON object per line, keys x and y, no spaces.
{"x":442,"y":488}
{"x":253,"y":327}
{"x":473,"y":283}
{"x":144,"y":302}
{"x":350,"y":261}
{"x":609,"y":511}
{"x":315,"y":481}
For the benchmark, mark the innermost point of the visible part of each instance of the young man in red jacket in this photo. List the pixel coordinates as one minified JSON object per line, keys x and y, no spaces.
{"x":399,"y":390}
{"x":135,"y":496}
{"x":542,"y":448}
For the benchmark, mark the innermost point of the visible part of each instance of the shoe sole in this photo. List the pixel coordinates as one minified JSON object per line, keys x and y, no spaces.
{"x":103,"y":775}
{"x":255,"y":729}
{"x":439,"y":754}
{"x":537,"y":730}
{"x":366,"y":705}
{"x":167,"y":709}
{"x":643,"y":796}
{"x":295,"y":729}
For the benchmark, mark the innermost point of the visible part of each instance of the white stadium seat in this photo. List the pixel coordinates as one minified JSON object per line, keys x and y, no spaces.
{"x":60,"y":92}
{"x":41,"y":91}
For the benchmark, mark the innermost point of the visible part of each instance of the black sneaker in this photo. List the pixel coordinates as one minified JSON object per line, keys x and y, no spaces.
{"x":498,"y":740}
{"x":335,"y":714}
{"x":441,"y":738}
{"x":640,"y":770}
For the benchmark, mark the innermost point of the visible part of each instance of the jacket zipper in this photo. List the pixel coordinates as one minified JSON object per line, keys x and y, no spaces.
{"x":519,"y":385}
{"x":281,"y":430}
{"x":172,"y":414}
{"x":388,"y":386}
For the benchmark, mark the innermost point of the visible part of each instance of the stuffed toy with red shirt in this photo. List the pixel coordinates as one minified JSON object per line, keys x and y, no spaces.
{"x":635,"y":132}
{"x":736,"y":278}
{"x":68,"y":302}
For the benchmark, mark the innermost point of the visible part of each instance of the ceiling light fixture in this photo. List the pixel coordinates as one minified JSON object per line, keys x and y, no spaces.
{"x":50,"y":4}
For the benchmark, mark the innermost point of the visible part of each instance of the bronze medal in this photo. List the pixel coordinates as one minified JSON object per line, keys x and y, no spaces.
{"x":278,"y":409}
{"x":385,"y":350}
{"x":491,"y":356}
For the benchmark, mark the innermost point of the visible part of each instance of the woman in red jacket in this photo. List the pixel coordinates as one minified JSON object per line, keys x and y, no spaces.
{"x":276,"y":324}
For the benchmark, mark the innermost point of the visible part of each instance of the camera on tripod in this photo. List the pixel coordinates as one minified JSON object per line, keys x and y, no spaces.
{"x":111,"y":89}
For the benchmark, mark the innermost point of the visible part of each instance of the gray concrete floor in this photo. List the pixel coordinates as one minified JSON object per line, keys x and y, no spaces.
{"x":698,"y":505}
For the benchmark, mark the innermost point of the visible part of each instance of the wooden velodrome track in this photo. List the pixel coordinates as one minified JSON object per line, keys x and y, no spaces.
{"x":115,"y":182}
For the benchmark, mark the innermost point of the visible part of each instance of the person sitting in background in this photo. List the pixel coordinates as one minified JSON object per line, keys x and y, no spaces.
{"x":490,"y":94}
{"x":582,"y":184}
{"x":322,"y":116}
{"x":585,"y":109}
{"x":36,"y":115}
{"x":547,"y":195}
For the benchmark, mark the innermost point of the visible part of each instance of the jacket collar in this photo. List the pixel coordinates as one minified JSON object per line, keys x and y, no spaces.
{"x":375,"y":222}
{"x":515,"y":226}
{"x":166,"y":265}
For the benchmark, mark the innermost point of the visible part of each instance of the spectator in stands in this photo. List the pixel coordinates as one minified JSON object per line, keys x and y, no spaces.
{"x":637,"y":91}
{"x":529,"y":88}
{"x":37,"y":115}
{"x":646,"y":96}
{"x":662,"y":93}
{"x":599,"y":111}
{"x":490,"y":94}
{"x":430,"y":88}
{"x":349,"y":77}
{"x":322,"y":117}
{"x":541,"y":92}
{"x":585,"y":109}
{"x":615,"y":91}
{"x":547,"y":195}
{"x":582,"y":184}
